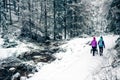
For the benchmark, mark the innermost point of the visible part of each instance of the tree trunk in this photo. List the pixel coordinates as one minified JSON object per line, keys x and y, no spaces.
{"x":10,"y":14}
{"x":54,"y":4}
{"x":65,"y":16}
{"x":29,"y":8}
{"x":0,"y":13}
{"x":18,"y":10}
{"x":75,"y":19}
{"x":46,"y":31}
{"x":14,"y":3}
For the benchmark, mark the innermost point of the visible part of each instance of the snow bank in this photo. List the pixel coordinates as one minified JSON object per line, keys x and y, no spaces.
{"x":15,"y":51}
{"x":77,"y":63}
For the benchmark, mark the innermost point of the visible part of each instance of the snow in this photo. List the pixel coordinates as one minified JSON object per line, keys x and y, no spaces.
{"x":16,"y":75}
{"x":77,"y":63}
{"x":23,"y":78}
{"x":98,"y":12}
{"x":15,"y":51}
{"x":1,"y":41}
{"x":11,"y":69}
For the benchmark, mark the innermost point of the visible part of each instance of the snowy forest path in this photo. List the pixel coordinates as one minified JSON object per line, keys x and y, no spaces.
{"x":77,"y":63}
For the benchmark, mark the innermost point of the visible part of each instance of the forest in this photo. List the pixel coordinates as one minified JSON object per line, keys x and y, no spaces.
{"x":33,"y":31}
{"x":40,"y":20}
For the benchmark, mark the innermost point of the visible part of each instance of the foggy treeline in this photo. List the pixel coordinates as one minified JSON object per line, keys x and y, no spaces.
{"x":49,"y":19}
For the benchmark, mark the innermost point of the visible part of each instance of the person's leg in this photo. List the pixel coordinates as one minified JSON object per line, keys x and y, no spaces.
{"x":101,"y":51}
{"x":93,"y":51}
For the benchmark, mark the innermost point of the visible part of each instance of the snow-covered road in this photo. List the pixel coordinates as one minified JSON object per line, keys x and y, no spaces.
{"x":77,"y":63}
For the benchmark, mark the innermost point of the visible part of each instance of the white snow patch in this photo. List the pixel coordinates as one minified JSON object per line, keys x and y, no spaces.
{"x":15,"y":51}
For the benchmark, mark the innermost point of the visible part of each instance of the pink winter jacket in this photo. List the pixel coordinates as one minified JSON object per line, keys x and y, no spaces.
{"x":94,"y":43}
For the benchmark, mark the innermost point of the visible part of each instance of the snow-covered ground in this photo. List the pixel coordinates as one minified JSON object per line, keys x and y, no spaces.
{"x":15,"y":51}
{"x":77,"y":63}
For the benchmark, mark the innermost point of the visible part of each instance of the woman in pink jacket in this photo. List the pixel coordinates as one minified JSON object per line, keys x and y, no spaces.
{"x":94,"y":45}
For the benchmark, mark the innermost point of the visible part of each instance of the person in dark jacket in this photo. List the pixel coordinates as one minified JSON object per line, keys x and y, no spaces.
{"x":101,"y":45}
{"x":94,"y":45}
